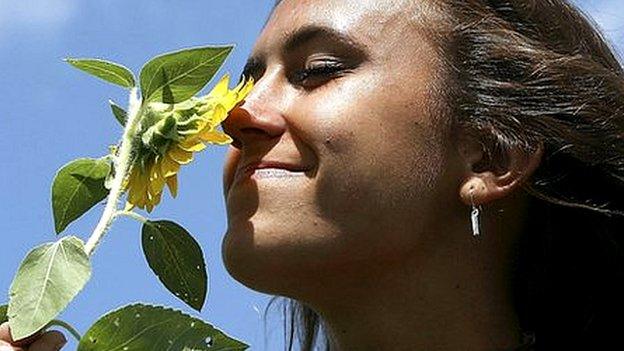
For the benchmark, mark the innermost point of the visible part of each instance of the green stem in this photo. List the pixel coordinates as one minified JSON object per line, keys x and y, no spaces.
{"x":122,"y":167}
{"x":65,"y":326}
{"x":132,"y":215}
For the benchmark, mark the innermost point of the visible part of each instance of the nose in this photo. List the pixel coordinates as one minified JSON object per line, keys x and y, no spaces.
{"x":258,"y":119}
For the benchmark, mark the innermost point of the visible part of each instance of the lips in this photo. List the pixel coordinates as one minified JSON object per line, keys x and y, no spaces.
{"x":250,"y":167}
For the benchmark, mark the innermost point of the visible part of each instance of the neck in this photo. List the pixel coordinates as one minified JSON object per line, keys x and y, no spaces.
{"x":458,"y":298}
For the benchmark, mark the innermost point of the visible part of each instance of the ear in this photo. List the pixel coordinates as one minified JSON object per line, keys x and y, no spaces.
{"x":483,"y":185}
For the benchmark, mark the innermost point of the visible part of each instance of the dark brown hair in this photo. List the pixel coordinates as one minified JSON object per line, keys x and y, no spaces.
{"x":524,"y":73}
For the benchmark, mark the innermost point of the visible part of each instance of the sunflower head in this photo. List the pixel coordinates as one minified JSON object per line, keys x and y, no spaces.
{"x":169,"y":134}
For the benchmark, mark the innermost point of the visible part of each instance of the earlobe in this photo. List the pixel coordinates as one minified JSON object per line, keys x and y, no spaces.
{"x":484,"y":186}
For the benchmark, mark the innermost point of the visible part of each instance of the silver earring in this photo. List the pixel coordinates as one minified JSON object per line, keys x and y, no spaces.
{"x":474,"y":216}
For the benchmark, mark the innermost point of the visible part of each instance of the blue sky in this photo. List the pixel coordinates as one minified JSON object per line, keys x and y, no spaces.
{"x":51,"y":114}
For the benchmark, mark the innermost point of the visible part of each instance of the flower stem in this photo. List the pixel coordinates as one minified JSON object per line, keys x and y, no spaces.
{"x":122,"y":167}
{"x":132,"y":215}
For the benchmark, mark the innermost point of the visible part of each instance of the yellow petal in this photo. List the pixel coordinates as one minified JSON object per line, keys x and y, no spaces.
{"x":128,"y":207}
{"x":140,"y":196}
{"x":237,"y":95}
{"x":151,"y":201}
{"x":154,"y":199}
{"x":172,"y":184}
{"x":136,"y":199}
{"x":157,"y":181}
{"x":192,"y":145}
{"x":135,"y":188}
{"x":221,"y":89}
{"x":193,"y":126}
{"x":130,"y":181}
{"x":202,"y":124}
{"x":125,"y":184}
{"x":242,"y":94}
{"x":168,"y":166}
{"x":214,"y":115}
{"x":219,"y":115}
{"x":215,"y":137}
{"x":139,"y":199}
{"x":229,"y":101}
{"x":180,"y":156}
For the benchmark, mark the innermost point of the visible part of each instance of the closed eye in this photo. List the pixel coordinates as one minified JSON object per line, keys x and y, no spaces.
{"x":319,"y":71}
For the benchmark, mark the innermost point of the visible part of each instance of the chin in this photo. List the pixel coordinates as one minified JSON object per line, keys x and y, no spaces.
{"x":278,"y":263}
{"x":257,"y":260}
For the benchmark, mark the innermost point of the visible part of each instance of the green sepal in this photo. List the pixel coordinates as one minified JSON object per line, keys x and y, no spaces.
{"x":120,"y":114}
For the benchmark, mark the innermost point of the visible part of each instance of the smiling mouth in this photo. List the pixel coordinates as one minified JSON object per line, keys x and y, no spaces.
{"x":268,"y":173}
{"x":276,"y":173}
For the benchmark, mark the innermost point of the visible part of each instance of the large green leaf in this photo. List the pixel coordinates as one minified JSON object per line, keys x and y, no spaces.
{"x":78,"y":186}
{"x":106,"y":70}
{"x":120,"y":114}
{"x":177,"y":76}
{"x":50,"y":277}
{"x":3,"y":313}
{"x":152,"y":328}
{"x":177,"y":260}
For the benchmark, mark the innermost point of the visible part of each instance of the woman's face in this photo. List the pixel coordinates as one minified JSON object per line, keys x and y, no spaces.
{"x":346,"y":90}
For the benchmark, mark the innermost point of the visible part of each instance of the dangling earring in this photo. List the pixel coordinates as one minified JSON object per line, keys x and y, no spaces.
{"x":474,"y":216}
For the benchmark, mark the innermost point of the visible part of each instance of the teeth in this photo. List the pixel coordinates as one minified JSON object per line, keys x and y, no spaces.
{"x":276,"y":173}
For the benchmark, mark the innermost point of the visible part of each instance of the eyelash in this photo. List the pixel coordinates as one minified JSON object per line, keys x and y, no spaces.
{"x":326,"y":69}
{"x":321,"y":70}
{"x":253,"y":69}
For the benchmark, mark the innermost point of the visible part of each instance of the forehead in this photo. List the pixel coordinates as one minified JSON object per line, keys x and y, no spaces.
{"x":366,"y":21}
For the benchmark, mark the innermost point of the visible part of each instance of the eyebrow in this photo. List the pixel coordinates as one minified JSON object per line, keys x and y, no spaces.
{"x":303,"y":36}
{"x":309,"y":33}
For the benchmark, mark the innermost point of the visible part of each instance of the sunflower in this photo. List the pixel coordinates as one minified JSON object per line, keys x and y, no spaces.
{"x":169,"y":134}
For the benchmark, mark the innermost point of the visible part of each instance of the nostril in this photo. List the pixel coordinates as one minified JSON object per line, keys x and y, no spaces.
{"x":236,"y":143}
{"x":252,"y":130}
{"x":246,"y":133}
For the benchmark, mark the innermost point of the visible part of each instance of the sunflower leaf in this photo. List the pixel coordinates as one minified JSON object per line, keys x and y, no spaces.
{"x":177,"y":259}
{"x":155,"y":328}
{"x":78,"y":186}
{"x":3,"y":313}
{"x":177,"y":76}
{"x":109,"y":71}
{"x":49,"y":277}
{"x":120,"y":114}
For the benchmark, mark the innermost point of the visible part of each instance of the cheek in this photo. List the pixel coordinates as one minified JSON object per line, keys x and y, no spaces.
{"x":381,"y":165}
{"x":367,"y":182}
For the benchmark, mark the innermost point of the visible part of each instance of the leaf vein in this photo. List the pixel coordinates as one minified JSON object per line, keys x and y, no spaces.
{"x":46,"y":279}
{"x":206,"y":63}
{"x":110,"y":71}
{"x":176,"y":265}
{"x":137,"y":335}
